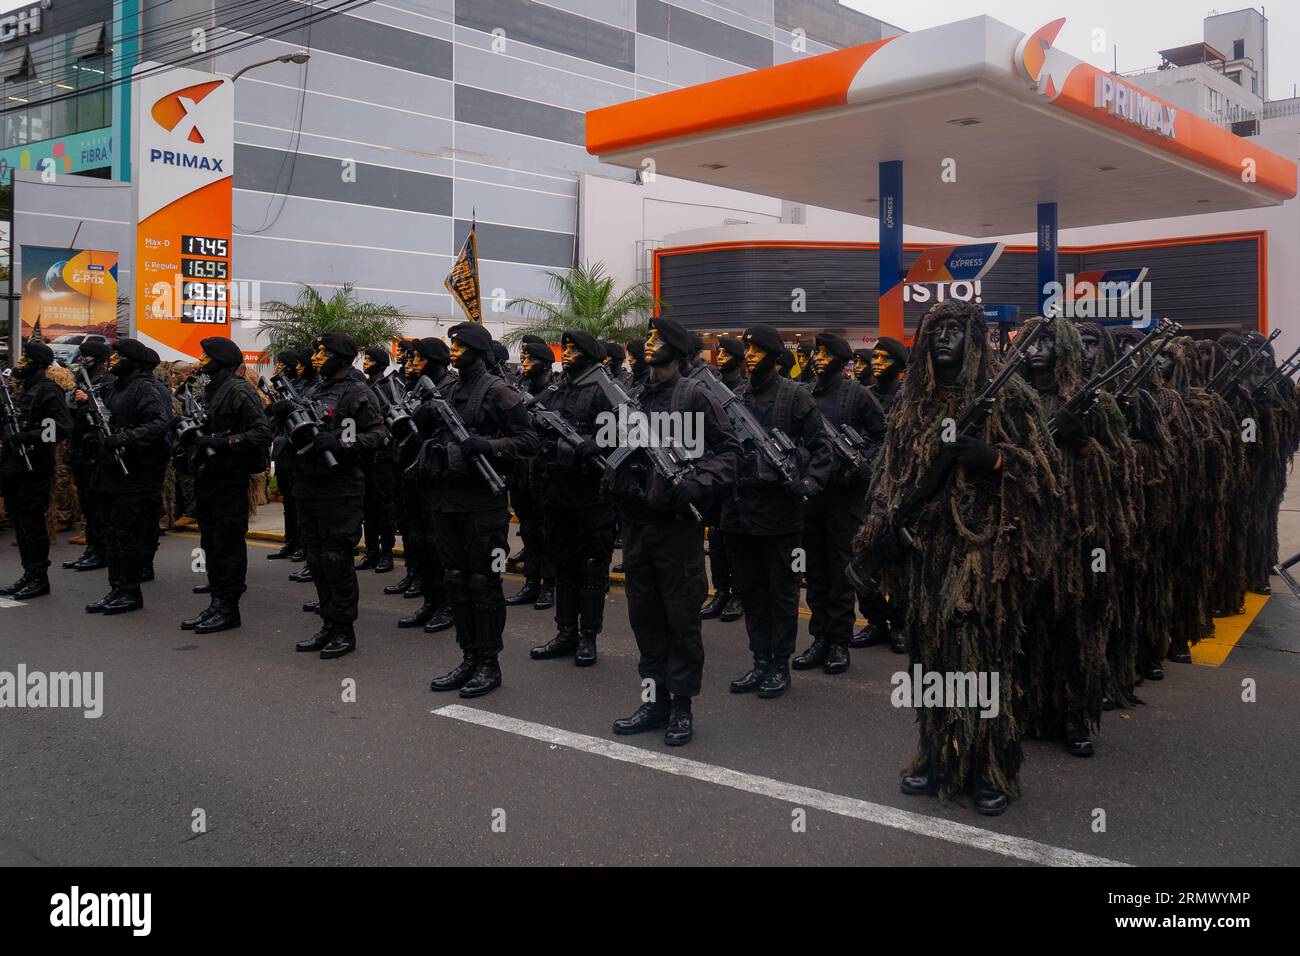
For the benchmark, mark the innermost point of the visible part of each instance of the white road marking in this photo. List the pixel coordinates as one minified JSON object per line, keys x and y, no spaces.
{"x":1018,"y":848}
{"x":10,"y":602}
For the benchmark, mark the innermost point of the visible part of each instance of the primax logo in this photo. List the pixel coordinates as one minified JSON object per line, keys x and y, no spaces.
{"x":179,"y":112}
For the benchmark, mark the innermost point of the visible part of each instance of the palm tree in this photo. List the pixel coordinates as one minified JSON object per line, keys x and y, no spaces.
{"x":586,"y":300}
{"x":288,"y":325}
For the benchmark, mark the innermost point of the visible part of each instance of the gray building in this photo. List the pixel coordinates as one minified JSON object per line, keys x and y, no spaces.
{"x":366,"y":164}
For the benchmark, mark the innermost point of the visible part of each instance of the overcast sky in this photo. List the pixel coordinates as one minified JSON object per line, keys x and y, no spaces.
{"x":1138,"y":27}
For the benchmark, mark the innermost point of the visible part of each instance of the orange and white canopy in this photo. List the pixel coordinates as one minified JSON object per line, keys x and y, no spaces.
{"x":1015,"y":120}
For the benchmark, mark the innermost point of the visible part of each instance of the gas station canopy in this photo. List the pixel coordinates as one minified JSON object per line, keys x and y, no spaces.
{"x":1013,"y":120}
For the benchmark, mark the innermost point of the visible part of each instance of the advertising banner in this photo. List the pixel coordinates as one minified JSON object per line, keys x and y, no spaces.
{"x":184,"y":153}
{"x":955,"y":263}
{"x":68,"y":291}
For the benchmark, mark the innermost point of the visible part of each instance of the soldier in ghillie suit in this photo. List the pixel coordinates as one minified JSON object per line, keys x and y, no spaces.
{"x":981,"y":549}
{"x":1067,"y":674}
{"x":1227,"y":561}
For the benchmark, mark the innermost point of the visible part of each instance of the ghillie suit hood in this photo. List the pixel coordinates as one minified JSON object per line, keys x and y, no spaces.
{"x":1067,"y":671}
{"x":981,"y":549}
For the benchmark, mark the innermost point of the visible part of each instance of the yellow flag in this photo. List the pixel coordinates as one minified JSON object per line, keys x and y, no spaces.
{"x":462,"y":280}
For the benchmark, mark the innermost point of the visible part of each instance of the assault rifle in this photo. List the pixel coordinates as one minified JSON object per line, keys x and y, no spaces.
{"x":667,"y":462}
{"x":1140,"y":370}
{"x":1283,"y":371}
{"x":11,"y":424}
{"x":304,"y":422}
{"x":864,"y":570}
{"x":193,"y":421}
{"x":1082,"y":403}
{"x":100,"y":420}
{"x":555,"y":423}
{"x":848,"y":444}
{"x":772,"y":444}
{"x":396,"y":406}
{"x":454,"y":424}
{"x":1231,"y":373}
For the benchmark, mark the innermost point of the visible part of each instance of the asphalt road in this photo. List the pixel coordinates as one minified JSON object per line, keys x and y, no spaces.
{"x":285,"y":772}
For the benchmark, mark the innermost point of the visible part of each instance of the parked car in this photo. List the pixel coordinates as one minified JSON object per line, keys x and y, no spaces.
{"x":67,"y":348}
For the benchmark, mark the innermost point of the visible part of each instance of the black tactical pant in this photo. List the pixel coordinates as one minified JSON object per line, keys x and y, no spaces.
{"x":424,"y":534}
{"x":410,"y":523}
{"x":539,"y":566}
{"x":472,"y":549}
{"x":764,"y":576}
{"x":664,"y":568}
{"x":92,"y":508}
{"x":222,"y":513}
{"x":130,"y":533}
{"x":380,"y":524}
{"x":284,"y":481}
{"x":830,"y":523}
{"x":27,"y":498}
{"x":581,"y":542}
{"x":719,"y":562}
{"x":331,"y":528}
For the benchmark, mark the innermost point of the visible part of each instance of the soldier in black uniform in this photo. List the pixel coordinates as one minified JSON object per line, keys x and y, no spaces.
{"x":82,"y":449}
{"x":282,"y":455}
{"x":579,"y":519}
{"x":834,"y":516}
{"x":862,"y":373}
{"x":663,"y":545}
{"x":526,"y":495}
{"x":235,"y":446}
{"x":471,"y":522}
{"x":885,"y":365}
{"x":803,"y":361}
{"x":639,"y":370}
{"x":615,"y":356}
{"x":141,"y":421}
{"x":725,"y":602}
{"x":331,"y":500}
{"x":427,"y":357}
{"x":43,"y":420}
{"x":379,"y":525}
{"x":764,"y":517}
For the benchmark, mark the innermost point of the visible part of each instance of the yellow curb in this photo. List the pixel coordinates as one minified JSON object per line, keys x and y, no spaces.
{"x":1213,"y":651}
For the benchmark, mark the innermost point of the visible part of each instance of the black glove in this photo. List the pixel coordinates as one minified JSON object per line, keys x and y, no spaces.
{"x":587,"y":450}
{"x":116,"y":440}
{"x":1070,"y":431}
{"x":328,"y":442}
{"x":426,"y":419}
{"x":280,"y":408}
{"x":806,"y":487}
{"x":979,"y":457}
{"x":476,"y":445}
{"x":215,"y":442}
{"x":28,"y":438}
{"x":689,"y":493}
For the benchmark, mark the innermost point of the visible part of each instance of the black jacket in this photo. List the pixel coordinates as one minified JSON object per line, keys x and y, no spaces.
{"x":342,"y":401}
{"x":39,"y":402}
{"x":141,"y":414}
{"x":845,"y":402}
{"x":235,"y":413}
{"x":569,"y":483}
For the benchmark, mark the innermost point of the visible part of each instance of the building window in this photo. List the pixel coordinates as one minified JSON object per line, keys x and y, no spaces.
{"x":1238,"y":49}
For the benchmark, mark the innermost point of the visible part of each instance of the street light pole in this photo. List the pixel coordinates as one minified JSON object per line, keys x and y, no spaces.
{"x":297,"y":56}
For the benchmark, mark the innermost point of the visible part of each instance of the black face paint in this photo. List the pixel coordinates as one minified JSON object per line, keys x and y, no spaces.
{"x":1091,"y":351}
{"x":1042,"y":354}
{"x":948,"y":346}
{"x":467,"y":359}
{"x":333,"y":365}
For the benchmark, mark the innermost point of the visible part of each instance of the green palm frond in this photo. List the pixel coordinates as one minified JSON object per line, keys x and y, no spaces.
{"x":585,"y":298}
{"x":288,"y":325}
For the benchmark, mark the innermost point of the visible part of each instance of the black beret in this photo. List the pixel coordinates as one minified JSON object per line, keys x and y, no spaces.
{"x":432,"y":349}
{"x":834,"y":344}
{"x":785,"y":359}
{"x":862,"y":355}
{"x":38,"y":353}
{"x":673,"y":334}
{"x":636,"y":349}
{"x":766,"y":339}
{"x":896,"y":349}
{"x":807,"y":347}
{"x":223,"y":350}
{"x":616,"y":352}
{"x":96,"y":348}
{"x":732,"y":346}
{"x":137,"y":352}
{"x":500,"y":352}
{"x":697,"y":343}
{"x":288,"y":357}
{"x":379,"y":356}
{"x":340,"y":344}
{"x":472,"y":335}
{"x":585,"y":343}
{"x":538,"y":350}
{"x":533,"y":340}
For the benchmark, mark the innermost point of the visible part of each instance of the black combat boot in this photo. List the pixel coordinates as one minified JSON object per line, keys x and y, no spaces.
{"x":545,"y":598}
{"x":70,"y":565}
{"x":591,"y":609}
{"x":384,"y":563}
{"x":190,"y":624}
{"x":837,"y":661}
{"x":526,"y":594}
{"x":871,"y":635}
{"x":751,"y":681}
{"x":1179,"y":653}
{"x":732,"y":610}
{"x":224,"y":617}
{"x":423,"y":614}
{"x":286,"y":551}
{"x":650,"y":716}
{"x":777,"y":681}
{"x":343,"y":641}
{"x":988,"y":800}
{"x":815,"y":656}
{"x":898,"y":640}
{"x":38,"y":585}
{"x":128,"y":599}
{"x":565,"y":641}
{"x":368,"y":561}
{"x":399,"y":586}
{"x":92,"y":560}
{"x":311,"y":607}
{"x":1077,"y":740}
{"x":485,"y":679}
{"x":17,"y":586}
{"x":919,"y":784}
{"x":98,"y":606}
{"x":301,"y":576}
{"x":318,"y":640}
{"x":440,"y":621}
{"x":201,"y":589}
{"x":681,"y":723}
{"x":713,"y":606}
{"x":458,"y":676}
{"x":298,"y":556}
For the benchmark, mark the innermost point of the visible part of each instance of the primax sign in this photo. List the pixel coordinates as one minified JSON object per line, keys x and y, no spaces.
{"x":26,"y":20}
{"x":1130,"y":103}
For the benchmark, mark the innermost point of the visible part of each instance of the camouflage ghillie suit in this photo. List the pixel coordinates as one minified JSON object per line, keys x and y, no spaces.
{"x":1084,"y":651}
{"x":258,"y":484}
{"x":983,"y":546}
{"x":65,"y":509}
{"x":1227,"y":565}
